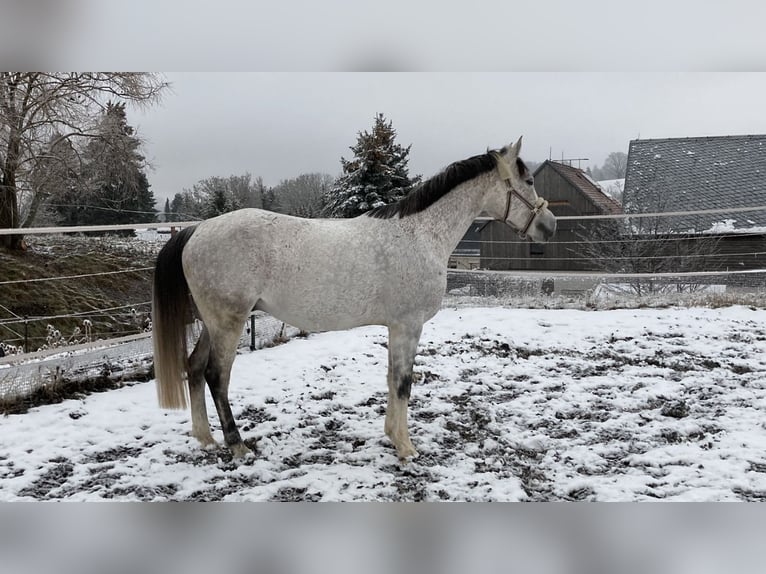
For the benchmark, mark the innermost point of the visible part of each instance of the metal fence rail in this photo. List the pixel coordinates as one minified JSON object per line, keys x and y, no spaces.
{"x":124,"y":358}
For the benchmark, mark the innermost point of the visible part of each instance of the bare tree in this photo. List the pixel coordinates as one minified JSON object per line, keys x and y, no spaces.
{"x":38,"y":111}
{"x":615,"y":165}
{"x":641,"y":246}
{"x":248,"y":192}
{"x":651,"y":244}
{"x":57,"y":176}
{"x":302,"y":196}
{"x":215,"y":195}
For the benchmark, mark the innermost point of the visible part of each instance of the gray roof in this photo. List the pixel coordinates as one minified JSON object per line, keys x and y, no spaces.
{"x":684,"y":174}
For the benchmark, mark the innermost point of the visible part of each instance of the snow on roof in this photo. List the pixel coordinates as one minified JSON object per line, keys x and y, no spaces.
{"x":688,"y":174}
{"x":612,"y":187}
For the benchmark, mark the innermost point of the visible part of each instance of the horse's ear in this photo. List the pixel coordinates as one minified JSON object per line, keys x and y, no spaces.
{"x":514,"y":149}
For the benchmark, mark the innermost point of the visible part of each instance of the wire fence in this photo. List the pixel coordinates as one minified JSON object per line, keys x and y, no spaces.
{"x":117,"y":359}
{"x":127,"y":354}
{"x":606,"y":290}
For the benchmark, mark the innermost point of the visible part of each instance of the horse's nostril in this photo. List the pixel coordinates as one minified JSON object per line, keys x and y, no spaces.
{"x":548,"y":231}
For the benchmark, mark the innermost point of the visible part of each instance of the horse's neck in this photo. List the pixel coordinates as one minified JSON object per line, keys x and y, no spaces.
{"x":447,"y":220}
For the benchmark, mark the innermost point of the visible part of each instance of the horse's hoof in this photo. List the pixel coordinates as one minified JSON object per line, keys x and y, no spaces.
{"x":406,"y":452}
{"x":239,"y":451}
{"x":207,"y":443}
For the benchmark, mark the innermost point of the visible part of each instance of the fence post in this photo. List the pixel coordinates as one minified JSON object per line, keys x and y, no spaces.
{"x":26,"y":334}
{"x":252,"y":332}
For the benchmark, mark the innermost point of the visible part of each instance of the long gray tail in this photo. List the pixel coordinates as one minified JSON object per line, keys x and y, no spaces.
{"x":171,"y":312}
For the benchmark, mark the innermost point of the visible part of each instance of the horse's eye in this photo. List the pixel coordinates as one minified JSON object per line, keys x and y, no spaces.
{"x":530,"y":181}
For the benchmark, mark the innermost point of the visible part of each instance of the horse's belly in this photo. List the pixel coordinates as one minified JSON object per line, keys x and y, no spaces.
{"x":320,"y":316}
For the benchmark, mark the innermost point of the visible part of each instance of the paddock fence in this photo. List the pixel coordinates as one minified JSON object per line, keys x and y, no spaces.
{"x":117,"y":359}
{"x":129,"y":357}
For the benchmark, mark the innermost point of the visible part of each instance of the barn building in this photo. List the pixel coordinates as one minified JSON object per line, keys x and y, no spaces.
{"x":569,"y":191}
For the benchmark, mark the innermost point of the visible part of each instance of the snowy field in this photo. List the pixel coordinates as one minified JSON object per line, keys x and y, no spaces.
{"x":508,"y":404}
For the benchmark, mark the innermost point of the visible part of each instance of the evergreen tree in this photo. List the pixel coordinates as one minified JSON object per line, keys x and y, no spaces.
{"x":269,"y":199}
{"x":167,"y":215}
{"x":219,"y":201}
{"x":377,"y":175}
{"x":188,"y":205}
{"x":113,"y":187}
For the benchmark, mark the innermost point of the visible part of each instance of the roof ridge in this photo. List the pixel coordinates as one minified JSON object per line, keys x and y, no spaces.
{"x":693,"y":138}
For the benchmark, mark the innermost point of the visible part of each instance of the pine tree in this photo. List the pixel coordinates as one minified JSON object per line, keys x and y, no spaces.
{"x":219,"y":201}
{"x":167,"y":215}
{"x":114,"y":188}
{"x":377,"y":175}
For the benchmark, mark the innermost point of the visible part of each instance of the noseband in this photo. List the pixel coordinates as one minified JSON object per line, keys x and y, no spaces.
{"x":534,"y":208}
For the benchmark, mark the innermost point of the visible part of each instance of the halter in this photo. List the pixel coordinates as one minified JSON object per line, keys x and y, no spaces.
{"x":534,"y":208}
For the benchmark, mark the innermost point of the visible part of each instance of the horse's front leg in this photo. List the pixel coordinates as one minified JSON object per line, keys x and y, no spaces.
{"x":402,"y":346}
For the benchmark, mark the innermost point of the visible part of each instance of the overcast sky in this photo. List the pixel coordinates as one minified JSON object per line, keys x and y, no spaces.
{"x":279,"y":125}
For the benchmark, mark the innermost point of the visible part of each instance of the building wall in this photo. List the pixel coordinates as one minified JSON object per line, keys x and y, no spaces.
{"x":741,"y":252}
{"x":564,"y":253}
{"x":502,"y":249}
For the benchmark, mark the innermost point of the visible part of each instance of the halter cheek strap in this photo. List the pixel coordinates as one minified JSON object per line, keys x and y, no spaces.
{"x":534,"y":209}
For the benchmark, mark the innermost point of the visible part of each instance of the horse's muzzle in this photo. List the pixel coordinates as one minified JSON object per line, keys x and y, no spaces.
{"x":548,"y":228}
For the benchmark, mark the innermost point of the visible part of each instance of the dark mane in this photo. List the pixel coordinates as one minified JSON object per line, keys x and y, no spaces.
{"x":429,"y":192}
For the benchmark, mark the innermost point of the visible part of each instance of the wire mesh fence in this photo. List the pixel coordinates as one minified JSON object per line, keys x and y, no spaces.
{"x":118,"y":359}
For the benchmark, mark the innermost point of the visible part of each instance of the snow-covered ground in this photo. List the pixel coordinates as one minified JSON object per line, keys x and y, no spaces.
{"x":509,"y":404}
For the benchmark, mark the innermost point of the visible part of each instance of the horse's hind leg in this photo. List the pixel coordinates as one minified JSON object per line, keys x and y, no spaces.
{"x":197,"y":364}
{"x":218,"y":373}
{"x":402,"y":347}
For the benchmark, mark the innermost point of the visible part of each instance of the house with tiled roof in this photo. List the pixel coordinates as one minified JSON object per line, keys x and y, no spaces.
{"x":570,"y":192}
{"x":703,"y":173}
{"x":698,"y":173}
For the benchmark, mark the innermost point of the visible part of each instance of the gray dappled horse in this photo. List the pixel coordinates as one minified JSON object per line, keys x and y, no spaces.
{"x":385,"y":267}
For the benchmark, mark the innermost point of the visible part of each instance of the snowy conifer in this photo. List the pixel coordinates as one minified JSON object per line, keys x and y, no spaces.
{"x":377,"y":175}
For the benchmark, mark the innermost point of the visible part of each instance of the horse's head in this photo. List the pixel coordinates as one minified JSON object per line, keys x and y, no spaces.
{"x":517,"y":204}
